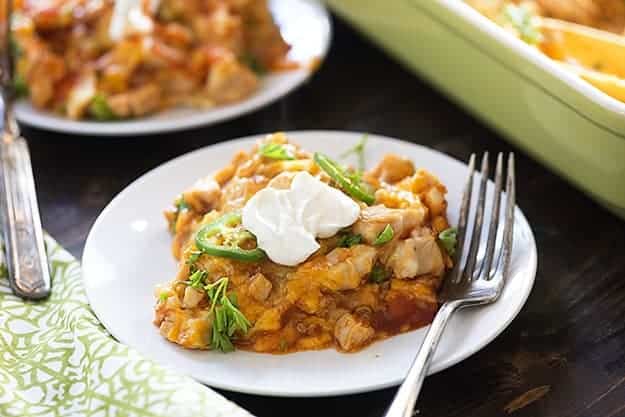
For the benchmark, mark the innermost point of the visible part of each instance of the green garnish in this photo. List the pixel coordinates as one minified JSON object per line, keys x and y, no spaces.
{"x":99,"y":108}
{"x":448,"y":239}
{"x":275,"y":151}
{"x":179,"y":205}
{"x":15,"y":48}
{"x":223,"y":238}
{"x":196,"y":279}
{"x":227,"y":318}
{"x":348,"y":240}
{"x":162,"y":297}
{"x":193,"y":257}
{"x":359,"y":151}
{"x":20,"y":87}
{"x":343,"y":179}
{"x":378,"y":274}
{"x":523,"y":20}
{"x":384,"y":237}
{"x":254,"y":64}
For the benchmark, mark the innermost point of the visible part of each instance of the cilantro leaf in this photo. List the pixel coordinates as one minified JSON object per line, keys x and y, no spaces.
{"x":359,"y":151}
{"x":348,"y":240}
{"x":378,"y":274}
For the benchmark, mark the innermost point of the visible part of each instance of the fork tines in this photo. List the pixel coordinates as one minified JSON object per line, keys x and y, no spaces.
{"x":492,"y":259}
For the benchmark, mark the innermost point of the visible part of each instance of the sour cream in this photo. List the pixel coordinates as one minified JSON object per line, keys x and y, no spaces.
{"x":287,"y":221}
{"x":128,"y":17}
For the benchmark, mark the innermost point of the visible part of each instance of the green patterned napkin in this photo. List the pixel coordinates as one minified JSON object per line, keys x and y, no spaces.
{"x":56,"y":360}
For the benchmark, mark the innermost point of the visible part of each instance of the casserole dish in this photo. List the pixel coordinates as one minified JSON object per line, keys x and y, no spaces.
{"x":566,"y":123}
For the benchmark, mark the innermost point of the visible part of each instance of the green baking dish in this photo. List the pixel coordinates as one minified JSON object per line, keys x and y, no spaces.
{"x":569,"y":125}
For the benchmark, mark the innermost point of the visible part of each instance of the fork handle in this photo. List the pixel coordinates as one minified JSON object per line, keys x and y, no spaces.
{"x":406,"y":397}
{"x":27,"y":263}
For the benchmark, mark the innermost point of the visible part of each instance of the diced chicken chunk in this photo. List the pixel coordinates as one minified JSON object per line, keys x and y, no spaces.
{"x":344,"y":268}
{"x":81,"y":95}
{"x":270,"y":320}
{"x":415,"y":256}
{"x":282,"y":181}
{"x":137,"y":102}
{"x":192,"y":297}
{"x":230,"y":81}
{"x":393,"y":168}
{"x":260,"y":287}
{"x":351,"y":333}
{"x":374,"y":219}
{"x":203,"y":195}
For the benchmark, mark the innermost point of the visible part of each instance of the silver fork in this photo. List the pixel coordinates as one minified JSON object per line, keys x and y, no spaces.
{"x":477,"y":281}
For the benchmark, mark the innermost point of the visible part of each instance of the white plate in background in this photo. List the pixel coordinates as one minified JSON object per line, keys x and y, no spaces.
{"x":304,"y":24}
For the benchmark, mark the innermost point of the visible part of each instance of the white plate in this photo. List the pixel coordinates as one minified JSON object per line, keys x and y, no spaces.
{"x":304,"y":24}
{"x":128,"y":252}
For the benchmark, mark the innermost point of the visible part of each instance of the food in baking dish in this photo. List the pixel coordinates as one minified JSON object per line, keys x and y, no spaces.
{"x":283,"y":250}
{"x":585,"y":37}
{"x":105,"y":59}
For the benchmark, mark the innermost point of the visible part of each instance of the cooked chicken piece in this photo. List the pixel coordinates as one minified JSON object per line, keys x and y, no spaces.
{"x":282,"y":181}
{"x":221,"y":28}
{"x":435,"y":200}
{"x":192,"y":297}
{"x":341,"y":269}
{"x":415,"y":256}
{"x":351,"y":333}
{"x":203,"y":195}
{"x":393,"y":168}
{"x":195,"y":333}
{"x":137,"y":102}
{"x":236,"y":193}
{"x":81,"y":94}
{"x":229,"y":81}
{"x":374,"y":219}
{"x":260,"y":287}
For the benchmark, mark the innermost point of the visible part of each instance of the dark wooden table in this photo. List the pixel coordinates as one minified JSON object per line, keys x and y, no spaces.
{"x":564,"y":355}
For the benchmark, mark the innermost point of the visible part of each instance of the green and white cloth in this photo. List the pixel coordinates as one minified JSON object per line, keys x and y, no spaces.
{"x":57,"y":360}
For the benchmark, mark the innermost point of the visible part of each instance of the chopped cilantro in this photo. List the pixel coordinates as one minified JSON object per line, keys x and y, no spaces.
{"x":348,"y":240}
{"x":378,"y":274}
{"x":99,"y":108}
{"x":20,"y":87}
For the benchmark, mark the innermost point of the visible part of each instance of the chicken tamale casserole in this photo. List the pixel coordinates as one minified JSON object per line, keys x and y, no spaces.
{"x":585,"y":37}
{"x":284,"y":250}
{"x":115,"y":59}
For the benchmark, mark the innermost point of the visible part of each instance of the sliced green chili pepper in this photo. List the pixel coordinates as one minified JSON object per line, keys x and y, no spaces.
{"x":207,"y":241}
{"x":385,"y":236}
{"x":346,"y":182}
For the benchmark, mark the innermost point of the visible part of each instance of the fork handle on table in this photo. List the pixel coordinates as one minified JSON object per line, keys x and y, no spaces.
{"x":406,"y":397}
{"x":27,"y":264}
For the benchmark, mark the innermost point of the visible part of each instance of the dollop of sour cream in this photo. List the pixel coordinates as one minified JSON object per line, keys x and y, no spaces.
{"x":287,"y":221}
